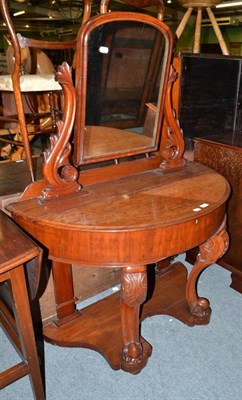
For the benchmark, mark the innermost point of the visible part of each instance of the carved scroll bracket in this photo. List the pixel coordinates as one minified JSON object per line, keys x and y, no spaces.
{"x":133,"y":294}
{"x":175,"y":145}
{"x":209,"y":252}
{"x":61,"y":176}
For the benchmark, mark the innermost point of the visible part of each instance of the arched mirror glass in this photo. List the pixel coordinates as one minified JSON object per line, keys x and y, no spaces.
{"x":122,"y":70}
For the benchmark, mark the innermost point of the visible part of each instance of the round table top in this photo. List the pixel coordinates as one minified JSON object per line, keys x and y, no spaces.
{"x":127,"y":211}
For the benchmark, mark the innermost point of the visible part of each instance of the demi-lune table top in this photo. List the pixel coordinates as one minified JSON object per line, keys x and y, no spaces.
{"x":121,"y":221}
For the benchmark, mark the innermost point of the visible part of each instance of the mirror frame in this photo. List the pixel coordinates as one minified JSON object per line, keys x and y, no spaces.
{"x":81,"y":83}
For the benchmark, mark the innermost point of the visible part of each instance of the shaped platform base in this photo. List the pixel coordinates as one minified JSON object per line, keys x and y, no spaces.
{"x":98,"y":326}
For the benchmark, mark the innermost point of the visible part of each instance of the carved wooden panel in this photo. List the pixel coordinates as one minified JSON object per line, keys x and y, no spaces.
{"x":227,"y":160}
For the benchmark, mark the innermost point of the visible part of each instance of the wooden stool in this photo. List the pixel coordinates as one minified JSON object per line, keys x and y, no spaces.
{"x":16,"y":250}
{"x":201,"y":5}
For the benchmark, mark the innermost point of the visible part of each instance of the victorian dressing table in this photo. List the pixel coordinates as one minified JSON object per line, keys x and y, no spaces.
{"x":140,"y":203}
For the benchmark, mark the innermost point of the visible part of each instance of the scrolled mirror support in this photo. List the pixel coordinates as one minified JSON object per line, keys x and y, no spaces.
{"x":61,"y":176}
{"x":175,"y":145}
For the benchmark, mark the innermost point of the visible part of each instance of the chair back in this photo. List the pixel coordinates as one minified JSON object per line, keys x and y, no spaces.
{"x":20,"y":47}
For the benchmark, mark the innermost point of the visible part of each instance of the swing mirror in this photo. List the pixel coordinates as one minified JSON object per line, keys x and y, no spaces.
{"x":122,"y":70}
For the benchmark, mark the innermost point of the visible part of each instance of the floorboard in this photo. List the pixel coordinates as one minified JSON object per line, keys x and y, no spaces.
{"x":14,"y":175}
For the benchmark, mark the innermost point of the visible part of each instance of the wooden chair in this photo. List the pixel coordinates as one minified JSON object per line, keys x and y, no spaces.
{"x":16,"y":251}
{"x":141,"y":202}
{"x":31,"y":84}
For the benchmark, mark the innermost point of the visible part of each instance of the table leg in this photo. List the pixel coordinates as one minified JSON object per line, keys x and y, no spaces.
{"x":25,"y":329}
{"x":133,"y":293}
{"x":64,"y":292}
{"x":209,"y":253}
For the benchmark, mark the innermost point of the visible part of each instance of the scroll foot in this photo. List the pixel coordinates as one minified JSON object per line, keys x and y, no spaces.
{"x":209,"y":253}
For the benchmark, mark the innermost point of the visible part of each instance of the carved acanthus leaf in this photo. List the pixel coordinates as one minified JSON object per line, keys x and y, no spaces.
{"x":215,"y":247}
{"x":134,"y":288}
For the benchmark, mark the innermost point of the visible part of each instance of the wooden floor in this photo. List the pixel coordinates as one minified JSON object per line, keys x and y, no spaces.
{"x":14,"y":176}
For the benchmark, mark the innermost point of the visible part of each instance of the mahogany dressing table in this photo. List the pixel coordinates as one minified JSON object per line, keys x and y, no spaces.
{"x":142,"y":204}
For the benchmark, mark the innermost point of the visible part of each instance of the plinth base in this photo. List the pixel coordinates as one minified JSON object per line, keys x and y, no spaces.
{"x":99,"y":325}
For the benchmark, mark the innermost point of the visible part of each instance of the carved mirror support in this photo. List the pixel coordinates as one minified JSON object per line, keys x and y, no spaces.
{"x":123,"y":85}
{"x":175,"y":144}
{"x":60,"y":175}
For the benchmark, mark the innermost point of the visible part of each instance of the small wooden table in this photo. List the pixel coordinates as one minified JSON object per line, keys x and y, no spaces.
{"x":19,"y":257}
{"x":223,"y":153}
{"x":130,"y":222}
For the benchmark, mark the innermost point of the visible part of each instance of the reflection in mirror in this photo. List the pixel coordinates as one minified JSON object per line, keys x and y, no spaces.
{"x":125,"y":64}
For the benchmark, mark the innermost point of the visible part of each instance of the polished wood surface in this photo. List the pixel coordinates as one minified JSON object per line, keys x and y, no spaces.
{"x":16,"y":250}
{"x":130,"y":214}
{"x":99,"y":141}
{"x":223,"y":153}
{"x":14,"y":178}
{"x":123,"y":223}
{"x":112,"y":206}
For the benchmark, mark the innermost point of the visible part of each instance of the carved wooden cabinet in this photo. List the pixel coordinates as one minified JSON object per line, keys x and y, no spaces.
{"x":224,"y":154}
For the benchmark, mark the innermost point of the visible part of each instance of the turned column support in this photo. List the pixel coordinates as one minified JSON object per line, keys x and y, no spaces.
{"x":64,"y":292}
{"x":209,"y":253}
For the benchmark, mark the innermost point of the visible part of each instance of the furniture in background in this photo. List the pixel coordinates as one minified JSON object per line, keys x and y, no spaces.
{"x":42,"y":83}
{"x":210,"y":100}
{"x":213,"y":121}
{"x":223,"y":153}
{"x":140,"y":203}
{"x":13,"y":83}
{"x":17,"y":250}
{"x":159,"y":4}
{"x":200,"y":6}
